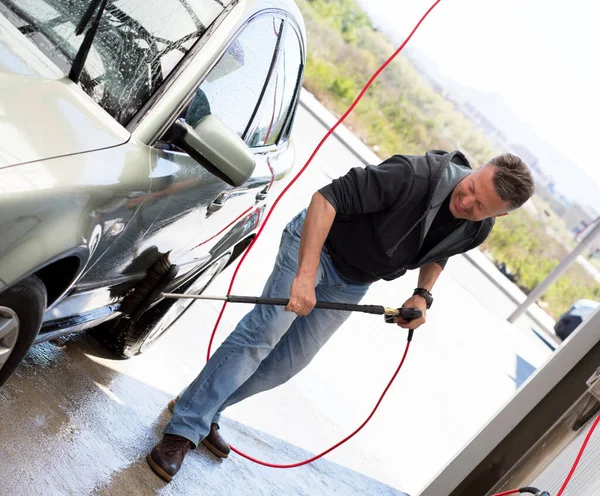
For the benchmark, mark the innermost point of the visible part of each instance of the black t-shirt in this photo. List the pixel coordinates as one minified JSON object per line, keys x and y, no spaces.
{"x":442,"y":225}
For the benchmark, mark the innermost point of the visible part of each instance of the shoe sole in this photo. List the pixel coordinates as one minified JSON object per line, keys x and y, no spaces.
{"x":157,"y":470}
{"x":215,"y":451}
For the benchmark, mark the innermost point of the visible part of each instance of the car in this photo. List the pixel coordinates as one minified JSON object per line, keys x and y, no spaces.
{"x":501,"y":266}
{"x":135,"y":133}
{"x":571,"y":319}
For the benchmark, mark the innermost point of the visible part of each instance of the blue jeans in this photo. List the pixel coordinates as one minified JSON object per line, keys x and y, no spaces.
{"x":269,"y":345}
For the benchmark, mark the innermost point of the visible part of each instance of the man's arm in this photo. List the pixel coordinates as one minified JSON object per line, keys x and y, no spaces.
{"x":319,"y":218}
{"x":428,"y":274}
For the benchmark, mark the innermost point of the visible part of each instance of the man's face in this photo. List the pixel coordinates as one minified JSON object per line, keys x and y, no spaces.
{"x":475,"y":198}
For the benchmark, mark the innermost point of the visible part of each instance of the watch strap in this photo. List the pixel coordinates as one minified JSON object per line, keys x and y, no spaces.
{"x":424,"y":293}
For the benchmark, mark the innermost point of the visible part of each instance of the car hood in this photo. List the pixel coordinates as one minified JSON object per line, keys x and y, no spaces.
{"x":42,"y":113}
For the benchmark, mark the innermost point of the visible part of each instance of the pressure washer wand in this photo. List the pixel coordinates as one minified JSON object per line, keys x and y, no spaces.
{"x":406,"y":313}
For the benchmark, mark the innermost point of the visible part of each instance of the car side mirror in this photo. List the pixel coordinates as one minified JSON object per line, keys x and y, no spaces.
{"x":218,"y":149}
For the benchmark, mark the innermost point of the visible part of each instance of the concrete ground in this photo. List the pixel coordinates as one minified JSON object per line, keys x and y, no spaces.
{"x":73,"y":421}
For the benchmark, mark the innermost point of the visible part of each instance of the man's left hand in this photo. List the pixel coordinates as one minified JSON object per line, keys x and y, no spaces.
{"x":415,"y":301}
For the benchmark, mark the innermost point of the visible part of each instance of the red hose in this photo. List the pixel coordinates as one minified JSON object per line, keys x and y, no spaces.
{"x":574,"y":466}
{"x":350,"y":436}
{"x":581,"y":450}
{"x":327,"y":135}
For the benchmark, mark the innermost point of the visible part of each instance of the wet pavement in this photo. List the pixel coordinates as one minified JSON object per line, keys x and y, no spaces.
{"x":73,"y":422}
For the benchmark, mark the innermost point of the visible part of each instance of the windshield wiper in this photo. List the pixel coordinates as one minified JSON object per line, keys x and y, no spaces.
{"x":86,"y":45}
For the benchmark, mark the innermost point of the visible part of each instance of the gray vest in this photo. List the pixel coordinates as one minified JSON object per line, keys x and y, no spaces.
{"x":450,"y":177}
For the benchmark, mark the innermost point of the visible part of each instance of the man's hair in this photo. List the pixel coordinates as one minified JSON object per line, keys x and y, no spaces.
{"x":512,"y":179}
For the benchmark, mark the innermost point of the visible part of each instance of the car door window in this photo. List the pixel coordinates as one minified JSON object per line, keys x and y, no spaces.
{"x":272,"y":117}
{"x":232,"y":89}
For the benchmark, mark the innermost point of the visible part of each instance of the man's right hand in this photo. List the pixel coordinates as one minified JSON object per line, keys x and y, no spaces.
{"x":318,"y":221}
{"x":302,"y":295}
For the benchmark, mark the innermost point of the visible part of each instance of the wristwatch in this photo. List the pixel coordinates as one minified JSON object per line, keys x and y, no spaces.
{"x":424,"y":294}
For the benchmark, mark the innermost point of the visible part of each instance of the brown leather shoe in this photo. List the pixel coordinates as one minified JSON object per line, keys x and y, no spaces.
{"x":171,"y":404}
{"x":214,"y":442}
{"x":167,"y":456}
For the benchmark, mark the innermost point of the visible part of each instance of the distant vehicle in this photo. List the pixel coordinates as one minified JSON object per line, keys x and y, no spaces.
{"x":156,"y":135}
{"x":506,"y":271}
{"x":571,"y":319}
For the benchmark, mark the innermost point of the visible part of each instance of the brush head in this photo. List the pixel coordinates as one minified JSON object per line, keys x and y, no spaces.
{"x":149,"y":289}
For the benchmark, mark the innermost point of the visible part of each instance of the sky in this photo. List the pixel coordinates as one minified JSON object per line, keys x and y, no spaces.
{"x":541,"y":56}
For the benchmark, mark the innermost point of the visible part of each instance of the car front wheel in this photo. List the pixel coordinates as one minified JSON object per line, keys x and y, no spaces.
{"x":22,"y":308}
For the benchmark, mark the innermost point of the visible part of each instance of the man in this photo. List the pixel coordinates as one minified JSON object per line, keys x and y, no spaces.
{"x":373,"y":223}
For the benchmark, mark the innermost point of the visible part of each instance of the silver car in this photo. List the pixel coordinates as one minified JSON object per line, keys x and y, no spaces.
{"x":134,"y":132}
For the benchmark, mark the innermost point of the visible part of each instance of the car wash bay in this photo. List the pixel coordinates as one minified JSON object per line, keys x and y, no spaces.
{"x":74,"y":422}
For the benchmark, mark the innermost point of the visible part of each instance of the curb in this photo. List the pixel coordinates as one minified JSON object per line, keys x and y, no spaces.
{"x":537,"y":314}
{"x":342,"y":133}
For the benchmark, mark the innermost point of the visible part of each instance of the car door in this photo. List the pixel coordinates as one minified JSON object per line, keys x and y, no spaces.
{"x":188,"y":211}
{"x":121,"y":86}
{"x":267,"y":134}
{"x":239,"y":92}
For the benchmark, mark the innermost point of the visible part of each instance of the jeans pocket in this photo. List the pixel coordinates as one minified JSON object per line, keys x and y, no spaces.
{"x":294,"y":227}
{"x":333,"y":278}
{"x":289,"y":247}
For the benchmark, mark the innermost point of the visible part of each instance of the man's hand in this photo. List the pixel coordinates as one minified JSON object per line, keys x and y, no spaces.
{"x":302,"y":295}
{"x":413,"y":302}
{"x":318,"y":221}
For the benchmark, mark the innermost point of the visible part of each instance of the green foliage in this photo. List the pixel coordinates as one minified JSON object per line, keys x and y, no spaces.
{"x":319,"y":72}
{"x":402,"y":113}
{"x":344,"y":87}
{"x":344,"y":15}
{"x":525,"y":246}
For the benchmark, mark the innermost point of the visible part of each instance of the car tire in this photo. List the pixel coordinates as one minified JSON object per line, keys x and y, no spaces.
{"x":22,"y":308}
{"x":126,"y":339}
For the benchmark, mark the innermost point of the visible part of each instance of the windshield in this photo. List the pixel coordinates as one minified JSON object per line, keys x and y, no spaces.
{"x":138,"y":43}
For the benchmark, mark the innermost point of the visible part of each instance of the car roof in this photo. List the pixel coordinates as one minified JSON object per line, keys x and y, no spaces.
{"x":585,"y":303}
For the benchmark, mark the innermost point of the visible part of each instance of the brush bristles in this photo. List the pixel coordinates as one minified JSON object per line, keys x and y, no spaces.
{"x":147,"y":285}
